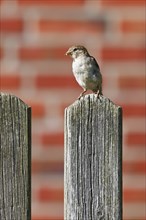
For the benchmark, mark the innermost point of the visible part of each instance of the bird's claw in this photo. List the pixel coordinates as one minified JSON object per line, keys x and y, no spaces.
{"x":80,"y":96}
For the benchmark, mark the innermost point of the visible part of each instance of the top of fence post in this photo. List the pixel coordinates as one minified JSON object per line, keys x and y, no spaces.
{"x":93,"y":160}
{"x":15,"y":158}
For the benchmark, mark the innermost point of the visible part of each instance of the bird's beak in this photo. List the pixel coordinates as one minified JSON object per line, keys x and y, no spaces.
{"x":68,"y":53}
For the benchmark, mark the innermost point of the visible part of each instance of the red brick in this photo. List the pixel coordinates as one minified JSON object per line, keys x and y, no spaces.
{"x":140,"y":218}
{"x":50,"y":81}
{"x":112,"y":54}
{"x":136,"y":139}
{"x":10,"y":82}
{"x":120,"y":3}
{"x":50,"y":195}
{"x":133,"y":26}
{"x":11,"y":25}
{"x":134,"y":110}
{"x":1,"y":53}
{"x":52,"y":139}
{"x":132,"y":82}
{"x":134,"y":167}
{"x":71,"y":26}
{"x":38,"y":109}
{"x":51,"y":2}
{"x":42,"y":53}
{"x":47,"y":166}
{"x":134,"y":195}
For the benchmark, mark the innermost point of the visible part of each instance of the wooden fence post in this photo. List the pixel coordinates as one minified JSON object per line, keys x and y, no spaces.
{"x":93,"y":160}
{"x":15,"y":159}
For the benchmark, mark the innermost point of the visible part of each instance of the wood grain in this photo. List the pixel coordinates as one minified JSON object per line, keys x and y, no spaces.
{"x":15,"y":159}
{"x":93,"y":160}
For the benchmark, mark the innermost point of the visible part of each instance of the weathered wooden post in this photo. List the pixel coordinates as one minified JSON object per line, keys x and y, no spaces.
{"x":15,"y":159}
{"x":93,"y":160}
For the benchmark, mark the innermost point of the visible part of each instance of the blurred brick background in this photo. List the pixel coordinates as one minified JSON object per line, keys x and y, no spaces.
{"x":35,"y":35}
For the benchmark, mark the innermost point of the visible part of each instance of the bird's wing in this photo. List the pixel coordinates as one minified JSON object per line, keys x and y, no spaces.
{"x":95,"y":62}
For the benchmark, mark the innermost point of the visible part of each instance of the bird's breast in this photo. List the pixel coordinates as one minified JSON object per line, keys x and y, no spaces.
{"x":82,"y":66}
{"x":78,"y":67}
{"x":86,"y":73}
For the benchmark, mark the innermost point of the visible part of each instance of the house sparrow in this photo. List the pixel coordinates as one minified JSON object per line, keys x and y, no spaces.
{"x":86,"y":70}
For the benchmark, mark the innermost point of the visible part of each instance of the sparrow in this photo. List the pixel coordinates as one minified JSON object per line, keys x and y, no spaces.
{"x":86,"y":70}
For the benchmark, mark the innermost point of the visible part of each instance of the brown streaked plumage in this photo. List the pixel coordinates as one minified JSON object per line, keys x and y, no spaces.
{"x":86,"y":70}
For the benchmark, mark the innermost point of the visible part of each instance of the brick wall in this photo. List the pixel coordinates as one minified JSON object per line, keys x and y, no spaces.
{"x":35,"y":35}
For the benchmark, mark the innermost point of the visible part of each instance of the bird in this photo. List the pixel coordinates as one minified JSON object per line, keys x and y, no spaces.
{"x":86,"y":70}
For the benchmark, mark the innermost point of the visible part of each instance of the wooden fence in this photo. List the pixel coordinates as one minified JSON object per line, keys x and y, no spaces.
{"x":93,"y":160}
{"x":15,"y":159}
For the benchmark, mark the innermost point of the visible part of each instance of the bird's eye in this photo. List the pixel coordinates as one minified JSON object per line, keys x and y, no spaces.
{"x":75,"y":49}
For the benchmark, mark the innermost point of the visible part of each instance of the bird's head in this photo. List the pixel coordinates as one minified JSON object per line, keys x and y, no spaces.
{"x":76,"y":51}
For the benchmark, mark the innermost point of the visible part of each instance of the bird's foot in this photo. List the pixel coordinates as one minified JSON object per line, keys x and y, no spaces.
{"x":99,"y":95}
{"x":81,"y":95}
